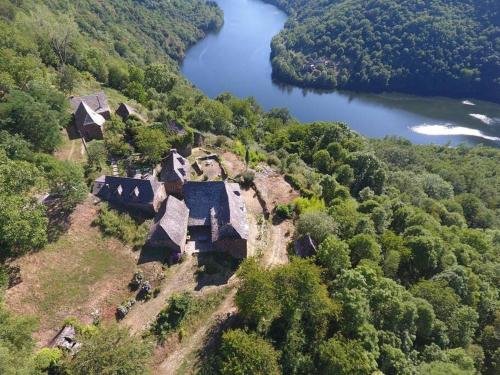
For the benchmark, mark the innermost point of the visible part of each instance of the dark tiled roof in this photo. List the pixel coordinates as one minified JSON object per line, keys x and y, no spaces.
{"x":171,"y":222}
{"x":125,"y":111}
{"x":175,"y":128}
{"x":175,"y":168}
{"x":127,"y":190}
{"x":305,"y":247}
{"x":97,"y":102}
{"x":85,"y":116}
{"x":219,"y":205}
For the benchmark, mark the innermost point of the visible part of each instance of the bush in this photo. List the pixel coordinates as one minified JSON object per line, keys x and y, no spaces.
{"x":122,"y":226}
{"x":172,"y":316}
{"x":284,"y":211}
{"x":248,"y":178}
{"x":318,"y":225}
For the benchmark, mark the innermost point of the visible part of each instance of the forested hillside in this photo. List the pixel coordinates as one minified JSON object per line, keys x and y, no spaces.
{"x":405,"y":278}
{"x":436,"y":47}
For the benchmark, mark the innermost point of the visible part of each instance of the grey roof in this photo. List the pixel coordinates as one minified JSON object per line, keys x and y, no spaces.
{"x":85,"y":116}
{"x":124,"y":110}
{"x":127,"y":190}
{"x":171,"y":222}
{"x":305,"y":247}
{"x":97,"y":102}
{"x":217,"y":204}
{"x":176,"y":128}
{"x":175,"y":168}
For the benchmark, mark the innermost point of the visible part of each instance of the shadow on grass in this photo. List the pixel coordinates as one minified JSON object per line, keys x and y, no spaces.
{"x":215,"y":269}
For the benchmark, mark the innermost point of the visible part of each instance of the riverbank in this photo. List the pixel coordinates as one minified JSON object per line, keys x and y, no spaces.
{"x":236,"y":59}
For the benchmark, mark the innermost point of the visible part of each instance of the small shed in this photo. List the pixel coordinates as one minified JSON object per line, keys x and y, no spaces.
{"x":305,"y":247}
{"x":125,"y":111}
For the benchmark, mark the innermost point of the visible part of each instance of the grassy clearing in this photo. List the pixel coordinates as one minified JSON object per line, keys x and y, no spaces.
{"x":78,"y":273}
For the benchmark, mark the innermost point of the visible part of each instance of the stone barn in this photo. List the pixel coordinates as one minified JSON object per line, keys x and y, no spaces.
{"x":217,"y":214}
{"x":175,"y":172}
{"x":97,"y":102}
{"x":90,"y":112}
{"x":145,"y":195}
{"x":169,"y":230}
{"x":89,"y":124}
{"x":125,"y":112}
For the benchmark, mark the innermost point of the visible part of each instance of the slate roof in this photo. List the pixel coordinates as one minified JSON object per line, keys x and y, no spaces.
{"x":97,"y":102}
{"x":171,"y":222}
{"x":305,"y":247}
{"x":175,"y":168}
{"x":125,"y":111}
{"x":127,"y":190}
{"x":219,"y":205}
{"x":175,"y":128}
{"x":85,"y":116}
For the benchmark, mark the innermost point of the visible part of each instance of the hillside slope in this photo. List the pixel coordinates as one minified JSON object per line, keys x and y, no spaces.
{"x":437,"y":47}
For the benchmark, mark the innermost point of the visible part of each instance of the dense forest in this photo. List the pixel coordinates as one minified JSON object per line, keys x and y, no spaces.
{"x":437,"y":47}
{"x":405,"y":279}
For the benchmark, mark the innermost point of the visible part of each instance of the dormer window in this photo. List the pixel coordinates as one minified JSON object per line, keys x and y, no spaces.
{"x":136,"y":192}
{"x":119,"y":190}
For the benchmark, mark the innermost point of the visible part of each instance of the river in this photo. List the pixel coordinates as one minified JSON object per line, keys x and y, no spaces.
{"x":236,"y":59}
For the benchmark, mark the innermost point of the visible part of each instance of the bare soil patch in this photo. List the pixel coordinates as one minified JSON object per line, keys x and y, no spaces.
{"x":273,"y":188}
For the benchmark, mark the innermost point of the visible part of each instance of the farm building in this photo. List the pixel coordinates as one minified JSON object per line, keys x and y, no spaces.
{"x":305,"y":247}
{"x":170,"y":226}
{"x":125,"y":112}
{"x":137,"y":193}
{"x":90,"y":112}
{"x":175,"y":172}
{"x":217,"y":214}
{"x":97,"y":102}
{"x":90,"y":124}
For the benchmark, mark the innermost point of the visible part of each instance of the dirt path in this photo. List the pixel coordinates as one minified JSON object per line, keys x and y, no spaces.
{"x":181,"y":279}
{"x":280,"y":234}
{"x":173,"y":362}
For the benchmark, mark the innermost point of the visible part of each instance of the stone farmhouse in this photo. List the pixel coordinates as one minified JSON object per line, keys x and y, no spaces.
{"x":208,"y":213}
{"x":144,"y":194}
{"x":90,"y":112}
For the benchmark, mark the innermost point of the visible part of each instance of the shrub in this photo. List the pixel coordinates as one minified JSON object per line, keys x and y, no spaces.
{"x":121,"y":226}
{"x":172,"y":316}
{"x":318,"y":225}
{"x":284,"y":211}
{"x":248,"y":178}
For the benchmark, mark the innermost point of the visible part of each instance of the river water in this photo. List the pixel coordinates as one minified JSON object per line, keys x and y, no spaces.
{"x":237,"y":59}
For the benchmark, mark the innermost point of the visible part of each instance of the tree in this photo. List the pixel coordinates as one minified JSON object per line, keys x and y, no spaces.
{"x":322,"y":161}
{"x":23,"y":225}
{"x":364,"y":246}
{"x":241,"y":353}
{"x":442,"y":298}
{"x":425,"y":253}
{"x":256,"y":298}
{"x":317,"y":224}
{"x":16,"y":343}
{"x":111,"y":350}
{"x":462,"y":325}
{"x":68,"y":77}
{"x":328,"y":187}
{"x":333,"y":255}
{"x":345,"y":357}
{"x":159,"y":77}
{"x":36,"y":120}
{"x":152,"y":143}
